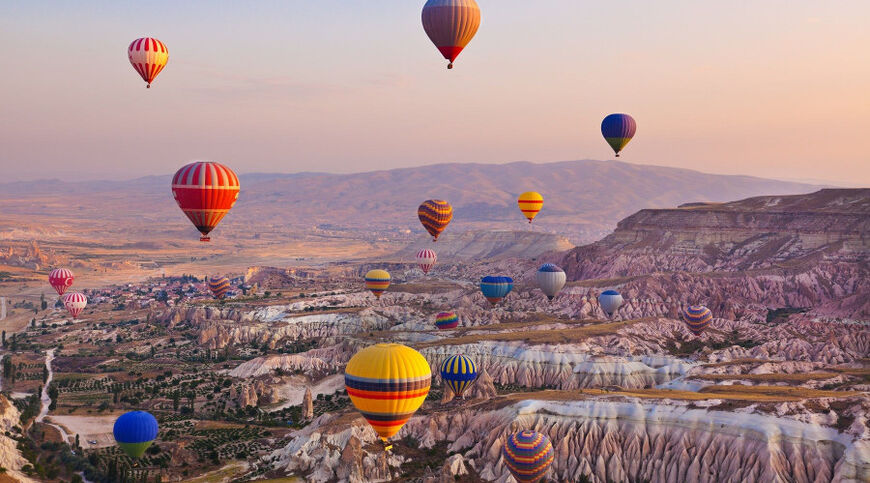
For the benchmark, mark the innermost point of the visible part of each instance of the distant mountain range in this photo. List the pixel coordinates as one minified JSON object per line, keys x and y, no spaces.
{"x":583,"y":199}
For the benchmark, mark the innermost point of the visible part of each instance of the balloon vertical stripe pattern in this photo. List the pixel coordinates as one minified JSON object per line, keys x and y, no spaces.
{"x":697,"y":318}
{"x":528,"y":455}
{"x":450,"y":25}
{"x":426,"y":259}
{"x":458,"y":372}
{"x":446,"y":320}
{"x":60,"y":279}
{"x":435,"y":215}
{"x":148,"y":56}
{"x":550,"y":279}
{"x":387,"y":383}
{"x":74,"y":303}
{"x":610,"y":301}
{"x":205,"y":191}
{"x":618,"y":129}
{"x":219,"y":286}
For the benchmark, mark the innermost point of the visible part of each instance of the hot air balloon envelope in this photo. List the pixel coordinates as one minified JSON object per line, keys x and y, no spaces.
{"x":60,"y":279}
{"x":75,"y":302}
{"x":496,"y":288}
{"x":446,"y":320}
{"x":697,"y":318}
{"x":135,"y":431}
{"x":205,"y":191}
{"x":618,"y":129}
{"x":219,"y":286}
{"x":450,"y":25}
{"x":148,"y":56}
{"x":387,"y":383}
{"x":458,"y":373}
{"x":528,"y":455}
{"x":435,"y":215}
{"x":426,"y":259}
{"x":550,"y":279}
{"x":377,"y":281}
{"x":530,"y":204}
{"x":610,"y":301}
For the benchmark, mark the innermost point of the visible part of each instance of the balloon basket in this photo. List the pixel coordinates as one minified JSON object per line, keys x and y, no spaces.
{"x":205,"y":239}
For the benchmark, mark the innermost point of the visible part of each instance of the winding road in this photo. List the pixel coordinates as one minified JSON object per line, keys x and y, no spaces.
{"x":46,"y":399}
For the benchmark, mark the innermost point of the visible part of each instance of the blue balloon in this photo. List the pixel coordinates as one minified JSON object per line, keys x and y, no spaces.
{"x":496,"y":288}
{"x":458,"y":373}
{"x":618,"y":129}
{"x":135,"y":431}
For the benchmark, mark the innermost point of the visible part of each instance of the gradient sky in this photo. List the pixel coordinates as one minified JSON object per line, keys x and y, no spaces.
{"x":769,"y":88}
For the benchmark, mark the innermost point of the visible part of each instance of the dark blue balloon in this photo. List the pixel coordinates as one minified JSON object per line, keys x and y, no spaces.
{"x":618,"y":129}
{"x":135,"y":427}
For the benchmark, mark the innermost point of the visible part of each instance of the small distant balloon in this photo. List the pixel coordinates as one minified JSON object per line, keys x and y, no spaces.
{"x":446,"y":320}
{"x":550,"y":279}
{"x":697,"y":318}
{"x":618,"y":129}
{"x":426,"y":259}
{"x":450,"y":25}
{"x":377,"y":281}
{"x":134,"y":432}
{"x":530,"y":204}
{"x":75,"y":302}
{"x":219,"y":286}
{"x":610,"y":301}
{"x":435,"y":215}
{"x":148,"y":56}
{"x":60,"y":280}
{"x":495,"y":289}
{"x":458,"y":372}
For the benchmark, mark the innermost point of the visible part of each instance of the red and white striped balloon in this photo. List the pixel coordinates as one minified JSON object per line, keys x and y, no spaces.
{"x":148,"y":56}
{"x":75,"y":302}
{"x":205,"y":191}
{"x":60,"y":279}
{"x":426,"y":258}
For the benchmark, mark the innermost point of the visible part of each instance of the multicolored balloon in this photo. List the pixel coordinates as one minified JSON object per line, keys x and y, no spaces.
{"x":458,"y":372}
{"x":205,"y":191}
{"x":60,"y":279}
{"x":496,"y":288}
{"x":426,"y":259}
{"x":387,"y":383}
{"x":135,"y":431}
{"x":446,"y":320}
{"x":148,"y":56}
{"x":697,"y":318}
{"x":528,"y":455}
{"x":450,"y":25}
{"x":530,"y":203}
{"x":219,"y":286}
{"x":618,"y":129}
{"x":610,"y":301}
{"x":75,"y":302}
{"x":550,"y":279}
{"x":378,"y":281}
{"x":435,"y":215}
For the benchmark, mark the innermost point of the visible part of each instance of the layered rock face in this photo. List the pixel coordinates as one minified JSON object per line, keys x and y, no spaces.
{"x":10,"y":458}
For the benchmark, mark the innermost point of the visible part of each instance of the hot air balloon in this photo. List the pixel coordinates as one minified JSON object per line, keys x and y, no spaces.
{"x":550,"y":279}
{"x":450,"y":25}
{"x":219,"y":286}
{"x":75,"y":302}
{"x":387,"y":383}
{"x":528,"y":455}
{"x":205,"y":191}
{"x":435,"y":215}
{"x":426,"y":258}
{"x":135,"y":431}
{"x":377,"y":281}
{"x":496,"y":288}
{"x":458,"y":373}
{"x":530,"y":204}
{"x":610,"y":301}
{"x":60,"y":279}
{"x":446,"y":320}
{"x":148,"y":56}
{"x":618,"y":129}
{"x":697,"y":318}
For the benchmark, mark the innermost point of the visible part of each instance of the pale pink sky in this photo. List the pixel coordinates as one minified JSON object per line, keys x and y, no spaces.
{"x":769,"y":88}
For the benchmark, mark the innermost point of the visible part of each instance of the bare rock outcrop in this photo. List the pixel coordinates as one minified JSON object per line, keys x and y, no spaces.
{"x":483,"y":387}
{"x":307,"y":405}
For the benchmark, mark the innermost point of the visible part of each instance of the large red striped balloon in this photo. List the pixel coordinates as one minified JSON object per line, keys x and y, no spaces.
{"x":60,"y":279}
{"x":451,"y":24}
{"x":75,"y":302}
{"x":148,"y":56}
{"x":205,"y":191}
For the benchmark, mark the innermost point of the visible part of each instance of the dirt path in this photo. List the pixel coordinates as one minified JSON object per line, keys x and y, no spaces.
{"x":46,"y":399}
{"x":2,"y":308}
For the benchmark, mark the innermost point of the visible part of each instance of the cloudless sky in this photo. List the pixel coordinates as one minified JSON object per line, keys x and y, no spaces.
{"x":773,"y":88}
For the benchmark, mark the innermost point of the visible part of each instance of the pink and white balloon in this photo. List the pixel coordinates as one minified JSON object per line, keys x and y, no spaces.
{"x":75,"y":302}
{"x":426,"y":259}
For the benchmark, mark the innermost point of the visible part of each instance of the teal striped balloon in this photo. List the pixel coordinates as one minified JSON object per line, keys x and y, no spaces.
{"x":458,"y":373}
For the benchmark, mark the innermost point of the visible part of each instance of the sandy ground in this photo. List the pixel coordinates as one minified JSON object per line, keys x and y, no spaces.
{"x":89,"y":428}
{"x":293,"y":391}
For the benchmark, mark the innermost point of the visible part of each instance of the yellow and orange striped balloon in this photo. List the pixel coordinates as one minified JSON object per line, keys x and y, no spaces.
{"x":531,"y":203}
